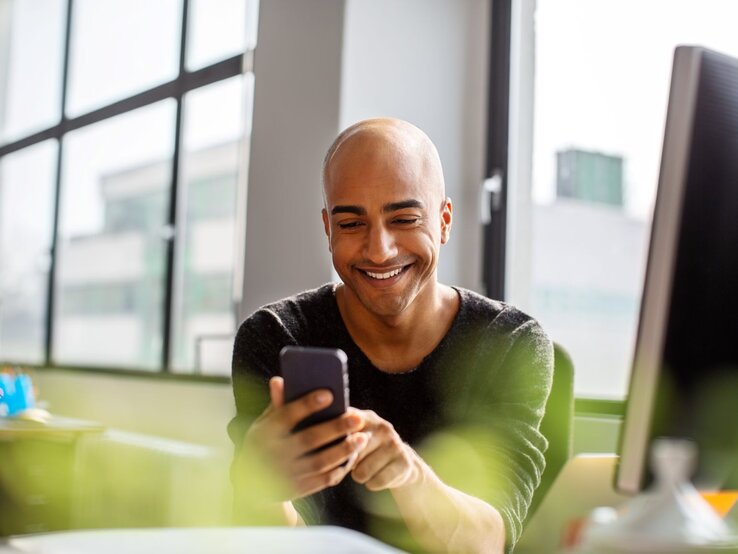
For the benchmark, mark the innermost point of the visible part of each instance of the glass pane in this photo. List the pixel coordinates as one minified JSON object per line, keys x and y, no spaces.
{"x":119,"y":48}
{"x":219,"y":29}
{"x":27,"y":182}
{"x":600,"y":107}
{"x":116,"y":182}
{"x":31,"y":42}
{"x":216,"y":129}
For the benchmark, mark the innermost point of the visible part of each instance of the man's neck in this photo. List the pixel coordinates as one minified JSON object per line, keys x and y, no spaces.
{"x":400,"y":341}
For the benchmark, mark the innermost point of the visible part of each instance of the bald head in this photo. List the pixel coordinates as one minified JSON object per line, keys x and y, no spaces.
{"x":389,"y":144}
{"x":385,"y":213}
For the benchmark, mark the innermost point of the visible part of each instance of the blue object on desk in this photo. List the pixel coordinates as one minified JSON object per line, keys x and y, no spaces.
{"x":16,"y":393}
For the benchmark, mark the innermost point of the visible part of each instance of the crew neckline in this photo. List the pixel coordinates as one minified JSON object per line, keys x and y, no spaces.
{"x":440,"y":347}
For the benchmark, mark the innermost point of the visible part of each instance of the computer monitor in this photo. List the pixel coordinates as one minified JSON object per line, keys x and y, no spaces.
{"x":684,"y":380}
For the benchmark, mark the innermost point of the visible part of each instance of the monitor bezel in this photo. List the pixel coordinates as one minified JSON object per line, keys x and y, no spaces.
{"x":648,"y":355}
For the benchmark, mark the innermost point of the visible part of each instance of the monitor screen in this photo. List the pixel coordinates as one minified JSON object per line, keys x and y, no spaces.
{"x":684,"y":380}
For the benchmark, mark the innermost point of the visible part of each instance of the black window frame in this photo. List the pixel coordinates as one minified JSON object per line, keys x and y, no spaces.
{"x":175,"y":89}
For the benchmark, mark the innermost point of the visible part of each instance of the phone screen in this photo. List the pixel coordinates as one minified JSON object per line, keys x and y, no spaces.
{"x":307,"y":369}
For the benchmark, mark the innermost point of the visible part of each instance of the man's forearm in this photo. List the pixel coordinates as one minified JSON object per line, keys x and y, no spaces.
{"x":443,"y":519}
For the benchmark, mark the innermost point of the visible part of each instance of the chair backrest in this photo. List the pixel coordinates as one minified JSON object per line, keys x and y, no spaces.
{"x":557,"y":423}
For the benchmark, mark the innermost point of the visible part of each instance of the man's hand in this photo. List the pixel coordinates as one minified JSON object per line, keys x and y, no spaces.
{"x":291,"y":453}
{"x":440,"y":518}
{"x":386,"y":462}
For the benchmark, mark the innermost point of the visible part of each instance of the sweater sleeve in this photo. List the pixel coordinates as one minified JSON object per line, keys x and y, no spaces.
{"x":526,"y":373}
{"x":501,"y":404}
{"x":255,"y":361}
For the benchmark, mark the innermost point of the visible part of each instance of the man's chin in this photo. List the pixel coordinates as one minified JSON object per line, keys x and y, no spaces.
{"x":389,"y":302}
{"x":386,"y":304}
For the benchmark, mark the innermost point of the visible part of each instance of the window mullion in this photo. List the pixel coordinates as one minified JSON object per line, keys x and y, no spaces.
{"x":57,"y":194}
{"x":172,"y":237}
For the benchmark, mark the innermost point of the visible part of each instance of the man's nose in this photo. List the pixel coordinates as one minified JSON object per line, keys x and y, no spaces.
{"x":380,"y":245}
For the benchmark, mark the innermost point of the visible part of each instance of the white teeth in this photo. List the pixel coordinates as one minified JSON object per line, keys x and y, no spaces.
{"x":384,"y":275}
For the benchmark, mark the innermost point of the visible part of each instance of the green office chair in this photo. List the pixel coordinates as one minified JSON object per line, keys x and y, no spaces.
{"x":557,"y":424}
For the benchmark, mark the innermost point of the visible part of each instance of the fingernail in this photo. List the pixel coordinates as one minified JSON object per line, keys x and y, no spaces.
{"x":359,"y":439}
{"x":322,"y":397}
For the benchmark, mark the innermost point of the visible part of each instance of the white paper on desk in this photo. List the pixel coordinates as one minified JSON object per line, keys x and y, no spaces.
{"x":276,"y":540}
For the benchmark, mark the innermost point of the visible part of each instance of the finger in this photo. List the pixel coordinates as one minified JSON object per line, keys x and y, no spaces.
{"x":275,"y":432}
{"x":272,"y":420}
{"x":262,"y":424}
{"x":316,"y":483}
{"x":366,"y":468}
{"x":276,"y":391}
{"x":390,"y":475}
{"x":380,"y":431}
{"x":294,"y":412}
{"x":361,"y":414}
{"x":351,"y":462}
{"x":374,"y":443}
{"x":315,"y":436}
{"x":330,"y":458}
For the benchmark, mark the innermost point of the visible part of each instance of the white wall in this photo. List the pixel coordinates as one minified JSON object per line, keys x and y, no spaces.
{"x":297,"y":68}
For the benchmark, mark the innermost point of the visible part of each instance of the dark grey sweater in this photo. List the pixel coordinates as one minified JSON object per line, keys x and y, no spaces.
{"x":474,"y":403}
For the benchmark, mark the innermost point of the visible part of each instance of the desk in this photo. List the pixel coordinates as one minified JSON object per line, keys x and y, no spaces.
{"x":219,"y":540}
{"x":36,"y":468}
{"x":5,"y":548}
{"x":584,"y":483}
{"x":12,"y":428}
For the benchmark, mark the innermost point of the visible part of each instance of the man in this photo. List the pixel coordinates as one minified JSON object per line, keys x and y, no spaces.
{"x":429,"y":366}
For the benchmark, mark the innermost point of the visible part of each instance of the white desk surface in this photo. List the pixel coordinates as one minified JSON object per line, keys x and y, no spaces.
{"x":221,"y":540}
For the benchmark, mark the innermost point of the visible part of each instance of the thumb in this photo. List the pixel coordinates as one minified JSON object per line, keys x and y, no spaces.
{"x":276,"y":391}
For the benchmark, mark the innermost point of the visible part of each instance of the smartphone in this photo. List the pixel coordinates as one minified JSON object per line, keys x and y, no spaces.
{"x":306,"y":369}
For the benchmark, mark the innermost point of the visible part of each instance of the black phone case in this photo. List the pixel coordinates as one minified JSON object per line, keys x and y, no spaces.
{"x":306,"y":369}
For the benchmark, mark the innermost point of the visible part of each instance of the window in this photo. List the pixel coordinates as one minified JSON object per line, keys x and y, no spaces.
{"x":119,"y":48}
{"x":32,"y":42}
{"x":589,"y":85}
{"x":26,"y":213}
{"x":215,"y":129}
{"x":115,"y":185}
{"x":124,"y":132}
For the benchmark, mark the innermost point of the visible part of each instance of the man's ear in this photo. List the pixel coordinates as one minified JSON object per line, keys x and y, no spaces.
{"x":327,"y":227}
{"x":446,"y":220}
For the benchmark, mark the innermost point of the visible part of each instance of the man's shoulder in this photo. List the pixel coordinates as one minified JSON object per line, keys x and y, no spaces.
{"x":308,"y":300}
{"x":502,"y":325}
{"x":294,"y":311}
{"x":493,"y":312}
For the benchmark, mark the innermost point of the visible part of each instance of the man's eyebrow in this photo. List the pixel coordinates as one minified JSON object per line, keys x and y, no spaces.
{"x":391,"y":207}
{"x":394,"y":206}
{"x":356,"y":210}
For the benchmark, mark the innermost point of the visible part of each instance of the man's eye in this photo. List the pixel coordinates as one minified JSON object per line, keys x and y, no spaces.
{"x":349,"y":224}
{"x":406,"y":220}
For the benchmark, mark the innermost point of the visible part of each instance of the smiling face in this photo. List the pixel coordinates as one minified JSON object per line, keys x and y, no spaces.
{"x":385,"y":215}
